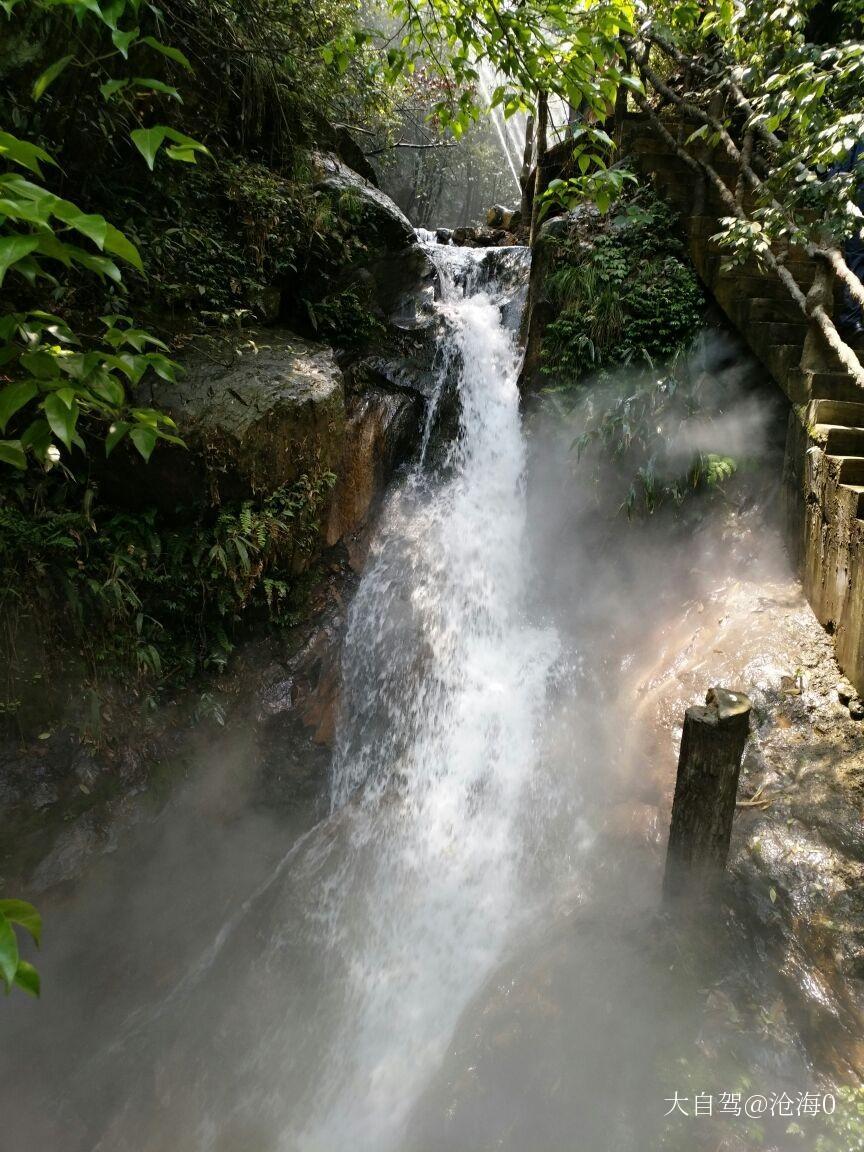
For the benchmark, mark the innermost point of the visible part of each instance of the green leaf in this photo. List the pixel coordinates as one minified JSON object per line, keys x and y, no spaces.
{"x":37,"y":436}
{"x":148,"y":141}
{"x":115,"y":434}
{"x":186,"y":141}
{"x":101,"y":265}
{"x":112,"y":87}
{"x":172,"y":53}
{"x":21,"y":152}
{"x":20,"y":912}
{"x":67,"y":395}
{"x":50,"y":75}
{"x":122,"y":40}
{"x":119,"y":245}
{"x":12,"y":398}
{"x":61,"y":418}
{"x":109,"y":13}
{"x":144,"y":439}
{"x":27,"y":978}
{"x":13,"y":249}
{"x":92,"y":226}
{"x":157,"y":86}
{"x":181,"y":153}
{"x":11,"y":452}
{"x":107,"y":388}
{"x":8,"y":952}
{"x":19,"y":210}
{"x":163,"y":367}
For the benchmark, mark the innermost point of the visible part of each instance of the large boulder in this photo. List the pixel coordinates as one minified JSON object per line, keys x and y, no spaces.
{"x":377,"y":213}
{"x":391,"y":270}
{"x":257,"y":410}
{"x":260,"y":409}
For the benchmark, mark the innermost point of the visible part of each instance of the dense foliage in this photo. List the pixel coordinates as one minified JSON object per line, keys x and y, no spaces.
{"x":142,"y":597}
{"x":628,"y":309}
{"x":189,"y":127}
{"x":623,"y":291}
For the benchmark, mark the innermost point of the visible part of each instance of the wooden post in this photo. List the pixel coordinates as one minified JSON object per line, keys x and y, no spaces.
{"x":712,"y":746}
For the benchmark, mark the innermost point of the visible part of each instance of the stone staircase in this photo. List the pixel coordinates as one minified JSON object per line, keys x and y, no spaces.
{"x":824,"y":467}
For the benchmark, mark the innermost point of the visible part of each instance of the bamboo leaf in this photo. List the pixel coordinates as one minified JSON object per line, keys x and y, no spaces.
{"x":50,"y":75}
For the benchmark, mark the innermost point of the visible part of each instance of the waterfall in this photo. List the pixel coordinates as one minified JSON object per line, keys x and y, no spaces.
{"x":444,"y":688}
{"x":318,"y":1013}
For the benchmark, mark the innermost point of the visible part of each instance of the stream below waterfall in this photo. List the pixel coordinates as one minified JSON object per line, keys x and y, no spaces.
{"x":466,"y":951}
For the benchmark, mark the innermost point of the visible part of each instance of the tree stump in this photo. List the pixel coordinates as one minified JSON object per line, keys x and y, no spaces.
{"x":712,"y":746}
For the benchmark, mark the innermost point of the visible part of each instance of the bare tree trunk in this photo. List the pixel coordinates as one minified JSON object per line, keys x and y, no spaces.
{"x":468,"y":202}
{"x":573,"y":118}
{"x":540,"y":152}
{"x":526,"y":175}
{"x":712,"y":746}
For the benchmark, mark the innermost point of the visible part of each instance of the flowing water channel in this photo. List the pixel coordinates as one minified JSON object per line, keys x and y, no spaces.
{"x":234,"y":980}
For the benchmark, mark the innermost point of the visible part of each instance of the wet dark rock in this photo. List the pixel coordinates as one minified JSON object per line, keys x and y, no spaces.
{"x":347,"y":149}
{"x":86,"y":768}
{"x":277,"y":698}
{"x":405,"y":288}
{"x":856,"y":708}
{"x":69,"y":853}
{"x":265,"y":302}
{"x":383,"y":428}
{"x":378,"y":215}
{"x":444,"y":235}
{"x":393,"y":273}
{"x":297,"y":708}
{"x":500,"y":217}
{"x":845,"y":691}
{"x":484,"y":237}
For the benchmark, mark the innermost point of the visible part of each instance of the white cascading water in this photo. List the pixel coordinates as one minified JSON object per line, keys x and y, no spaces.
{"x":445,"y":683}
{"x":322,"y":1008}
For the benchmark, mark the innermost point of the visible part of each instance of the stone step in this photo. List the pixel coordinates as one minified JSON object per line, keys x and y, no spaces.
{"x":780,"y":358}
{"x":847,"y":413}
{"x":849,"y":470}
{"x":664,"y":163}
{"x":648,"y":145}
{"x":779,"y":332}
{"x":835,"y":386}
{"x":854,"y":493}
{"x":856,"y":345}
{"x":840,"y":440}
{"x":763,"y":308}
{"x":752,"y":283}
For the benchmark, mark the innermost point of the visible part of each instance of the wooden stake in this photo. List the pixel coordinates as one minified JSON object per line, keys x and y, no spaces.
{"x":712,"y":746}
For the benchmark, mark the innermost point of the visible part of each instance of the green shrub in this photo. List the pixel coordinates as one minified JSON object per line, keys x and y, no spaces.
{"x":137,"y":598}
{"x":640,"y":432}
{"x":624,"y":294}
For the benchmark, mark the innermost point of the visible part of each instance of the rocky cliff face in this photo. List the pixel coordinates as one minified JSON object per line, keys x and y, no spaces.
{"x":258,"y":408}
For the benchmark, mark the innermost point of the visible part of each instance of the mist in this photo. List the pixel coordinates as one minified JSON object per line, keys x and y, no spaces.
{"x":468,"y":951}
